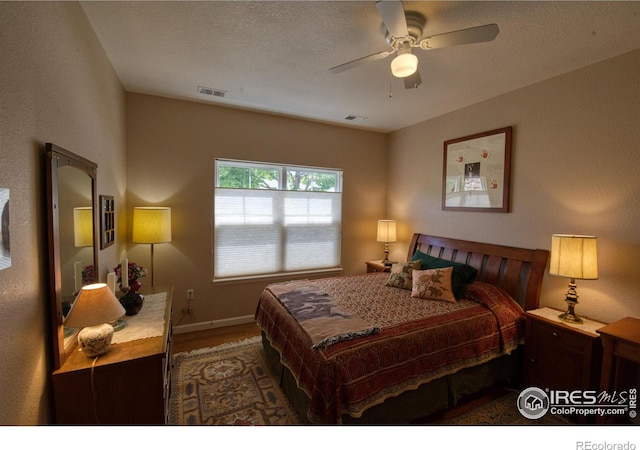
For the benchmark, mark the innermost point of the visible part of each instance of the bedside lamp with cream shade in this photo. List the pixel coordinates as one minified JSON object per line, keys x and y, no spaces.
{"x":151,"y":225}
{"x":574,"y":257}
{"x":93,"y":309}
{"x":386,"y":234}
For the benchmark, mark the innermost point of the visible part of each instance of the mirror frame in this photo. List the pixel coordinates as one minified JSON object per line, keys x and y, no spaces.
{"x":56,"y":158}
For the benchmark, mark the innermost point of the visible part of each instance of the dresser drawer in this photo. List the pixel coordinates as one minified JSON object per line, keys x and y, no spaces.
{"x":559,"y":356}
{"x":626,"y":350}
{"x":557,"y":335}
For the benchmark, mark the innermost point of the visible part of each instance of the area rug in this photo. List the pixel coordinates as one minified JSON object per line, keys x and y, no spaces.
{"x":502,"y":411}
{"x":227,"y":385}
{"x":231,"y":385}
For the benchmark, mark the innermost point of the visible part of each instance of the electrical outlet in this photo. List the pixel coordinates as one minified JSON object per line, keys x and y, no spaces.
{"x":191,"y":294}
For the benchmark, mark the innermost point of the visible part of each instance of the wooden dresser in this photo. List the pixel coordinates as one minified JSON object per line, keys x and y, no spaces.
{"x":131,"y":383}
{"x":561,"y":355}
{"x":377,"y":266}
{"x":621,"y":365}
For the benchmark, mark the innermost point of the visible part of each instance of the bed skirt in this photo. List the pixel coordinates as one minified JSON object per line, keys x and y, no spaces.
{"x":411,"y":406}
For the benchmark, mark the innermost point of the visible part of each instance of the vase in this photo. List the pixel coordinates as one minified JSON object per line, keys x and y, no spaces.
{"x":134,"y":285}
{"x":132,"y":302}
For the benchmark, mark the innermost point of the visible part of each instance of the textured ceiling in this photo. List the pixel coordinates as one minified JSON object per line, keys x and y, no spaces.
{"x":275,"y":55}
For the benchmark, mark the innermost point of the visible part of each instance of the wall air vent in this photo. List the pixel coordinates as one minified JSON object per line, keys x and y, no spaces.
{"x":211,"y":91}
{"x":354,"y":118}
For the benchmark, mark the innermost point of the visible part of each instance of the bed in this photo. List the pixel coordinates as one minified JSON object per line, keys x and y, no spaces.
{"x":395,"y":347}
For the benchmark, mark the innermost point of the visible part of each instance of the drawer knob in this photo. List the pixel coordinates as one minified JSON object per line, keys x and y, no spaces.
{"x":554,"y":334}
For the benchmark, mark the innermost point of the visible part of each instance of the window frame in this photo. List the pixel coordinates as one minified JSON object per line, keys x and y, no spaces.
{"x":283,"y":169}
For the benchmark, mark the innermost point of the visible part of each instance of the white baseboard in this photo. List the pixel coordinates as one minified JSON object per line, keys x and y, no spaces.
{"x":212,"y":324}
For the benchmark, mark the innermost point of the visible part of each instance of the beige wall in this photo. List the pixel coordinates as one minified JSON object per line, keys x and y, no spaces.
{"x":171,"y":149}
{"x":576,"y":169}
{"x":56,"y":85}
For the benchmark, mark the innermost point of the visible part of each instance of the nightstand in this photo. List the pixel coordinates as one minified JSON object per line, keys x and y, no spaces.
{"x":561,"y":355}
{"x":621,"y":360}
{"x":377,"y":266}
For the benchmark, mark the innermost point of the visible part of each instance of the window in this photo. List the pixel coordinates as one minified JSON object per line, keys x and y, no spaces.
{"x":275,"y":219}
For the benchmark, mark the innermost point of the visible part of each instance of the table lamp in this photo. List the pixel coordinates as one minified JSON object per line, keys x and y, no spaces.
{"x":151,"y":225}
{"x":94,"y":307}
{"x":386,"y":234}
{"x":574,"y":257}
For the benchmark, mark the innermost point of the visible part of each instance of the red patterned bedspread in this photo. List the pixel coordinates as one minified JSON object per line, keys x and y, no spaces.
{"x":419,"y":340}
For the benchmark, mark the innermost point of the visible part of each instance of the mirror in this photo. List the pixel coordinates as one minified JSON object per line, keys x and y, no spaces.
{"x":72,"y":211}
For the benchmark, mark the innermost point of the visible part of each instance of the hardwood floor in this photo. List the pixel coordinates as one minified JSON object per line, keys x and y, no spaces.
{"x":186,"y":342}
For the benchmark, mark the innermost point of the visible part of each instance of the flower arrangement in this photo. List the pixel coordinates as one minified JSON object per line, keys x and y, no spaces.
{"x":87,"y":275}
{"x":135,"y":272}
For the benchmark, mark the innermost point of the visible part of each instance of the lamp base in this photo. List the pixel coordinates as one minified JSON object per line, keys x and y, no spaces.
{"x":95,"y":341}
{"x":572,"y":301}
{"x":570,"y":316}
{"x":385,"y":261}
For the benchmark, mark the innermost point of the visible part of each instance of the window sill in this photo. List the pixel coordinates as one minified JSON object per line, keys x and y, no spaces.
{"x":276,"y":276}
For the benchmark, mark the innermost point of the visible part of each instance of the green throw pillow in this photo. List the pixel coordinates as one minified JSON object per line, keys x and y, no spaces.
{"x":463,"y":274}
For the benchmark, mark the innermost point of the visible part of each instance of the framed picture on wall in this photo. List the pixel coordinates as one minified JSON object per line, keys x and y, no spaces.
{"x":5,"y":245}
{"x":107,"y":221}
{"x":477,"y":172}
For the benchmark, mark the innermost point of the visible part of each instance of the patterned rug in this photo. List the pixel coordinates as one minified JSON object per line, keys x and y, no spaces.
{"x":227,"y":385}
{"x":502,"y":411}
{"x":232,"y":385}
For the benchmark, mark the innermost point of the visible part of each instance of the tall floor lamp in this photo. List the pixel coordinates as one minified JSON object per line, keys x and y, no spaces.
{"x":151,"y":225}
{"x":83,"y":226}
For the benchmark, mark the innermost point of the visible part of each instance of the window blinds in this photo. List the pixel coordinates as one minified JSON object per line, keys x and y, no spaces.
{"x":259,"y":232}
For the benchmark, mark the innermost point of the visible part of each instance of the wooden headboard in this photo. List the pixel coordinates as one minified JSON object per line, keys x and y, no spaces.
{"x":518,"y":271}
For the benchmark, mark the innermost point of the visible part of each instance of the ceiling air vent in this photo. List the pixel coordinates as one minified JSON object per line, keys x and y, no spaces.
{"x":211,"y":91}
{"x":354,"y":118}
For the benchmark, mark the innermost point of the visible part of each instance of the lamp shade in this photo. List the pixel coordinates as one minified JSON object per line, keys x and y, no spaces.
{"x":386,"y":230}
{"x":404,"y":64}
{"x":151,"y":224}
{"x":574,"y":256}
{"x":95,"y":305}
{"x":83,"y":226}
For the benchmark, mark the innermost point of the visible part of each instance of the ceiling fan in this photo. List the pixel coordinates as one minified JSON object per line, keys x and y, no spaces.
{"x":404,"y":33}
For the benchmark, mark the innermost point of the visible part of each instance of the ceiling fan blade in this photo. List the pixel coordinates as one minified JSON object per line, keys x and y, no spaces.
{"x":413,"y":81}
{"x":356,"y":62}
{"x":483,"y":33}
{"x":392,"y":14}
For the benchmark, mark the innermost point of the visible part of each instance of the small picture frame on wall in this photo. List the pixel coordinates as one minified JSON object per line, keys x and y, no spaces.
{"x":107,"y":221}
{"x":477,"y":172}
{"x":5,"y":235}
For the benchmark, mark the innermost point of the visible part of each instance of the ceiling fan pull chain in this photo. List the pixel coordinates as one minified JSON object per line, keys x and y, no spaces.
{"x":390,"y":89}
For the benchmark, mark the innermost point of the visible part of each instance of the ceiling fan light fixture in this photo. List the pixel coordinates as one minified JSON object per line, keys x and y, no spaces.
{"x":404,"y":65}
